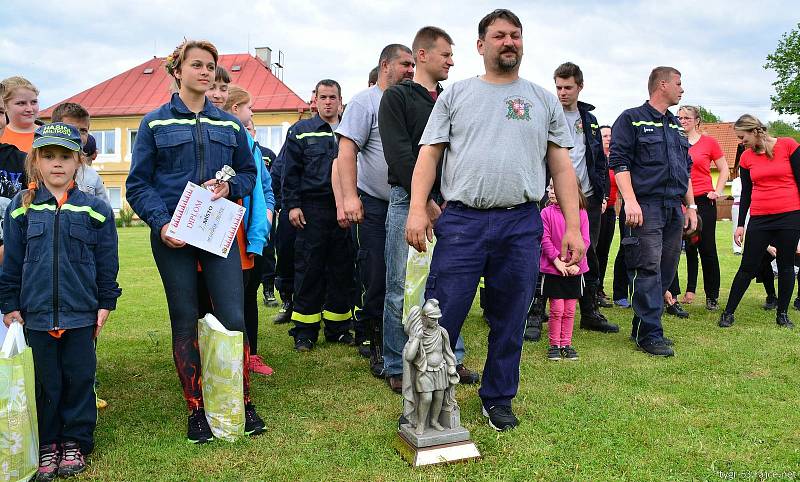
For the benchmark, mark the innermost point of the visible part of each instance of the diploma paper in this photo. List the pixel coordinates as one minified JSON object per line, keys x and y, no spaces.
{"x":204,"y":224}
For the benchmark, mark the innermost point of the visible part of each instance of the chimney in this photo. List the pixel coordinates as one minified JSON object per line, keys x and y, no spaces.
{"x":265,"y":54}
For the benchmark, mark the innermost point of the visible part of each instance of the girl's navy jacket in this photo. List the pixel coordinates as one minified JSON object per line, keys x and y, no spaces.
{"x":61,"y":262}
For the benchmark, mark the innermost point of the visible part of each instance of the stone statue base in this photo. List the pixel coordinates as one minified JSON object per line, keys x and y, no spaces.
{"x":437,"y":446}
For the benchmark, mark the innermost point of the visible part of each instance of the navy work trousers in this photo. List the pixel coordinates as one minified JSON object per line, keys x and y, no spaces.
{"x":503,"y":246}
{"x":651,"y":256}
{"x":65,"y":398}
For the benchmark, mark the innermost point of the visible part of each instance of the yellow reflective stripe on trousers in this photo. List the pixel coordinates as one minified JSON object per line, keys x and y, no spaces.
{"x":191,"y":122}
{"x":301,"y":318}
{"x":331,"y":316}
{"x":66,"y":207}
{"x":482,"y":283}
{"x":314,"y":134}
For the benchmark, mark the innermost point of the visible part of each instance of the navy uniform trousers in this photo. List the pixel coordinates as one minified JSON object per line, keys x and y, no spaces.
{"x":503,"y":246}
{"x":323,"y":274}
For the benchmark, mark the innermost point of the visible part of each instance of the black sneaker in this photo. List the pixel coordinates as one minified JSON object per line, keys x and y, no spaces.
{"x":554,"y":353}
{"x":797,"y":303}
{"x":253,"y":425}
{"x":675,"y":309}
{"x":726,"y":320}
{"x":664,"y":339}
{"x":364,"y":349}
{"x":569,"y":353}
{"x":782,"y":319}
{"x":345,"y":338}
{"x":658,"y":348}
{"x":284,"y":314}
{"x":467,"y":376}
{"x":501,"y":417}
{"x":269,"y":299}
{"x":199,"y":432}
{"x":712,"y":304}
{"x":770,"y":303}
{"x":303,"y":345}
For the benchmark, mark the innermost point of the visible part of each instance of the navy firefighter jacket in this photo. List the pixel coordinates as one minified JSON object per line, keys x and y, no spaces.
{"x":174,"y":146}
{"x":61,"y":263}
{"x":654,"y":148}
{"x":308,"y":156}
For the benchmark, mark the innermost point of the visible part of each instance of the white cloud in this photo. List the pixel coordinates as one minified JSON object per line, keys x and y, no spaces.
{"x":719,"y":46}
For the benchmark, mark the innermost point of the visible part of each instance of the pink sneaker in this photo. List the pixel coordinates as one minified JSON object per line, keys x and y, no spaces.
{"x":257,"y":365}
{"x":49,"y":457}
{"x":72,"y":462}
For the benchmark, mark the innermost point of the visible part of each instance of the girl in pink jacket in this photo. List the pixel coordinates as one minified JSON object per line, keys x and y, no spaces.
{"x":561,"y":284}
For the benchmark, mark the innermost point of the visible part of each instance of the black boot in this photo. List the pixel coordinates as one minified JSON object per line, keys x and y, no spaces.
{"x":591,"y":318}
{"x":603,"y":301}
{"x":285,"y":313}
{"x":533,"y":323}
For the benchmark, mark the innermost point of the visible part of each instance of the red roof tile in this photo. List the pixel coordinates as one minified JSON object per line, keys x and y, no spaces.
{"x":724,"y":134}
{"x":136,"y":93}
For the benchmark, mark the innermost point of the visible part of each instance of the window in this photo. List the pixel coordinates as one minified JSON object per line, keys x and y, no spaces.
{"x":106,"y":142}
{"x":131,"y":141}
{"x":271,"y":136}
{"x":115,"y":195}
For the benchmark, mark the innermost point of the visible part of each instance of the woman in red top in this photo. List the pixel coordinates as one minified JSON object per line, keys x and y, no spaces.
{"x":770,"y":174}
{"x":704,"y":151}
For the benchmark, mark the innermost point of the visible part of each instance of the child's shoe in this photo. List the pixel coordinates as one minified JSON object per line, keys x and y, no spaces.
{"x":569,"y":353}
{"x":199,"y":432}
{"x":253,"y":425}
{"x":72,"y":462}
{"x":554,"y":353}
{"x":257,"y":365}
{"x":49,"y":456}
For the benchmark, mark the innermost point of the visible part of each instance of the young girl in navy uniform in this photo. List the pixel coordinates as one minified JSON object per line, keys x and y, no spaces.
{"x":60,"y":281}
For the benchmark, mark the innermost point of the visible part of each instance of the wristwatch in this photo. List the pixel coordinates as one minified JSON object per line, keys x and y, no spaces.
{"x":692,"y":206}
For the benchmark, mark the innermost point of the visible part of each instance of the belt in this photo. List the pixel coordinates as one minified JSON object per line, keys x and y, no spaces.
{"x":460,"y":205}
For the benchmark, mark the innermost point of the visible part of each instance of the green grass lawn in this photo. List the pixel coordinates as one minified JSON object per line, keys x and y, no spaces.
{"x":726,"y":404}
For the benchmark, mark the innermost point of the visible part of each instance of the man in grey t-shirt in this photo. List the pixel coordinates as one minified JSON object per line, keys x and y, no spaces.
{"x":362,"y":192}
{"x":494,"y":132}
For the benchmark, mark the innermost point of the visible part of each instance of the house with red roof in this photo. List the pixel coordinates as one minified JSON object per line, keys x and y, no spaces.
{"x":118,"y":105}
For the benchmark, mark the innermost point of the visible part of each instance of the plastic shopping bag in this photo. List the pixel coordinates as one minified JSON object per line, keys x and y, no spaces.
{"x":418,"y":266}
{"x":221,"y":358}
{"x":19,"y":433}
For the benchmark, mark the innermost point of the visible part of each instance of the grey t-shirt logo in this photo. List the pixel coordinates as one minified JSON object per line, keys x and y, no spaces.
{"x":518,"y":108}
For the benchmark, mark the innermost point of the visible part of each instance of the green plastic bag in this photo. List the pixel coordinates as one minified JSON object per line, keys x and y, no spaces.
{"x":19,"y":433}
{"x":221,"y":358}
{"x":418,"y":265}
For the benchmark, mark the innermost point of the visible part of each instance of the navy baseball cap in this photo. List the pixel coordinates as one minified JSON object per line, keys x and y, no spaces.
{"x":91,"y":146}
{"x":57,"y":134}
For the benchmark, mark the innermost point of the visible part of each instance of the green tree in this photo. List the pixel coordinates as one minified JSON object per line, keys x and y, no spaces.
{"x":785,"y":61}
{"x":780,"y":128}
{"x":707,"y":116}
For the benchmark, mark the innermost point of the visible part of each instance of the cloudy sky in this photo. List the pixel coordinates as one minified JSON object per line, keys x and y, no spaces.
{"x":720,"y":46}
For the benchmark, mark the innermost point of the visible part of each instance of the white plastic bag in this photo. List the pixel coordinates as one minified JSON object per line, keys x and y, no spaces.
{"x":221,"y":359}
{"x":19,"y":433}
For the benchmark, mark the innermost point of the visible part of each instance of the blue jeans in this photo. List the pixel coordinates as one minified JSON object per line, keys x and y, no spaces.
{"x":503,"y":246}
{"x":651,"y":256}
{"x":396,"y":255}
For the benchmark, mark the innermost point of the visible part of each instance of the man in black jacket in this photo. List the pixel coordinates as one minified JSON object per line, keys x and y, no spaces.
{"x":591,"y":169}
{"x":402,"y":117}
